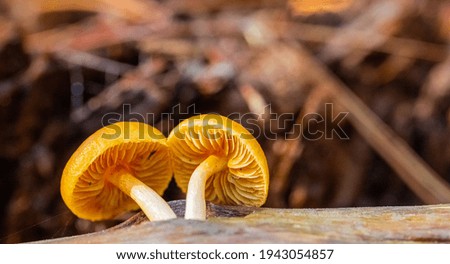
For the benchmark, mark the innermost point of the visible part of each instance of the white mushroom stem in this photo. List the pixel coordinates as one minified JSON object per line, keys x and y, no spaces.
{"x":195,"y":197}
{"x":154,"y":207}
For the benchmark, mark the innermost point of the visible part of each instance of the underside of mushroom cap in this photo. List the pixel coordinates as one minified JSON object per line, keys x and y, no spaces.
{"x":244,"y":181}
{"x":137,"y":148}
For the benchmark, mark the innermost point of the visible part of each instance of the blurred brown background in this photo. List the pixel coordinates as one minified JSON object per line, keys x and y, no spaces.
{"x":64,"y":65}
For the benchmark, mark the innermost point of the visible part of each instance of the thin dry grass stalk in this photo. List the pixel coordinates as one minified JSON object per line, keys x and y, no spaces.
{"x":428,"y":185}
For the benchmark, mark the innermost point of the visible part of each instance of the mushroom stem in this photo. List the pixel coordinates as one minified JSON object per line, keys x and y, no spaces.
{"x":195,"y":197}
{"x":154,"y":207}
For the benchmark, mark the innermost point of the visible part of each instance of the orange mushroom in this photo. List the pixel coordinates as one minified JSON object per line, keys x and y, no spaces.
{"x":119,"y":168}
{"x":217,"y":159}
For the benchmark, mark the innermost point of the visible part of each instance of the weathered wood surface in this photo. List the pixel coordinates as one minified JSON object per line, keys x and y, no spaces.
{"x":229,"y":224}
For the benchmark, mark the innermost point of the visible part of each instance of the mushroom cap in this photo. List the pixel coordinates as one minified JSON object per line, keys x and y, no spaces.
{"x":245,"y":181}
{"x":136,"y":147}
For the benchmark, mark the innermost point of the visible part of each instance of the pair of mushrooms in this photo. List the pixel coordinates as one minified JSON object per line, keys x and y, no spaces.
{"x":128,"y":165}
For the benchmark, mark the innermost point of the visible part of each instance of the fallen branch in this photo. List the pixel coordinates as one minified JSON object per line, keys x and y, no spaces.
{"x":233,"y":224}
